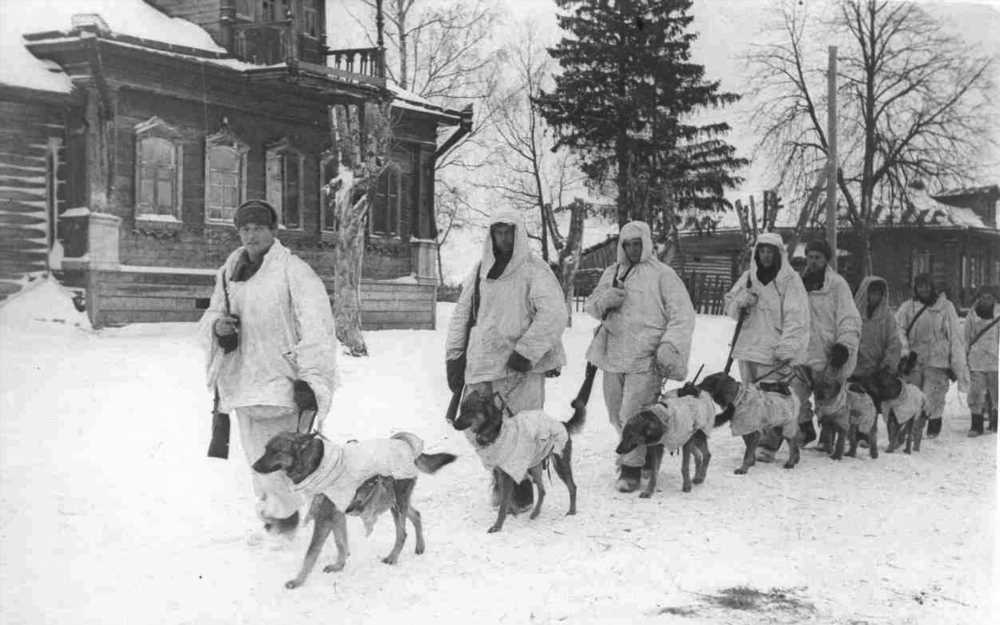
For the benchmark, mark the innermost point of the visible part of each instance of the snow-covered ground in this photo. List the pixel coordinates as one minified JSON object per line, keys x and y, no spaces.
{"x":111,"y":513}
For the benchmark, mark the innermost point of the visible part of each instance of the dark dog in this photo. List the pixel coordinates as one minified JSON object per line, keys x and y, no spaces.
{"x":500,"y":442}
{"x":675,"y":420}
{"x":843,"y":411}
{"x":301,"y":455}
{"x":751,"y":410}
{"x":905,"y":409}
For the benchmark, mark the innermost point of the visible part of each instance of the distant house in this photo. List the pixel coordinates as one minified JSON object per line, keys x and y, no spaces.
{"x":132,"y":130}
{"x":952,"y":235}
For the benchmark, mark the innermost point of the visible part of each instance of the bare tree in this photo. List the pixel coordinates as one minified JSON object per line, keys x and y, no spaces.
{"x":361,"y":137}
{"x":915,"y":103}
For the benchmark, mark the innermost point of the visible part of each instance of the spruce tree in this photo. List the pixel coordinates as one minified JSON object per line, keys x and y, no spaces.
{"x":624,"y":103}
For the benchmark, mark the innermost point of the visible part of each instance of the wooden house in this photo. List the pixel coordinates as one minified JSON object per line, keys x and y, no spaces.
{"x":952,"y":235}
{"x":124,"y":164}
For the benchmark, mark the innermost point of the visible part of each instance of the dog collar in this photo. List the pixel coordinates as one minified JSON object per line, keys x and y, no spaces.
{"x":329,"y":471}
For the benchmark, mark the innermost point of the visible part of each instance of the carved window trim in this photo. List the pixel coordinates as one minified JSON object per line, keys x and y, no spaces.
{"x":278,"y":155}
{"x":225,"y":138}
{"x":157,"y":129}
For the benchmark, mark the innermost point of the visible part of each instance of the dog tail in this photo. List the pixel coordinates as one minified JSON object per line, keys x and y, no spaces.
{"x":577,"y":420}
{"x":430,"y":463}
{"x":725,"y":416}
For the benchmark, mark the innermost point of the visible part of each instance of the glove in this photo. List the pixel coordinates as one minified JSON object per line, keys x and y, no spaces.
{"x":303,"y":395}
{"x":455,"y":371}
{"x":668,"y":363}
{"x":612,"y":298}
{"x":839,"y":354}
{"x":226,"y":330}
{"x":906,"y":363}
{"x":518,"y":363}
{"x":688,"y":390}
{"x":745,"y":299}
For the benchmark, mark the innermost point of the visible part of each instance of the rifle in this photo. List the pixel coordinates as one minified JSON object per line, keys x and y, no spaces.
{"x":579,"y":404}
{"x":456,"y":397}
{"x":744,"y":313}
{"x":218,"y":447}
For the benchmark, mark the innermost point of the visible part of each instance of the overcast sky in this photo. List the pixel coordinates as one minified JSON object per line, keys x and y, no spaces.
{"x":726,"y":30}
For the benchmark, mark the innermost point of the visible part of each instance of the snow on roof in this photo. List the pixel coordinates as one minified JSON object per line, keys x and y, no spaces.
{"x":20,"y":68}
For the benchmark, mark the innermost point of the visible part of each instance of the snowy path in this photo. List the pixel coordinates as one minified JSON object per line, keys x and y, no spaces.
{"x":112,"y":514}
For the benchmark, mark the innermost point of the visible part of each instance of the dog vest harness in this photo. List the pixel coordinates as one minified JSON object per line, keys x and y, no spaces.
{"x":524,"y":441}
{"x":908,"y":405}
{"x":756,"y":410}
{"x":682,"y":417}
{"x":848,"y":408}
{"x":345,"y":468}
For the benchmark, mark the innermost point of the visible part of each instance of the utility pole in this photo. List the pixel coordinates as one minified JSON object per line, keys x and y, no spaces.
{"x":831,"y":165}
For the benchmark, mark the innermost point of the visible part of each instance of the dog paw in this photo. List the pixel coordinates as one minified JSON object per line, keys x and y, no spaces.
{"x":419,"y":550}
{"x":698,"y":480}
{"x":836,"y":457}
{"x":788,"y":465}
{"x":389,"y":559}
{"x":571,"y":513}
{"x":292,"y":584}
{"x":493,"y":529}
{"x":645,"y":495}
{"x":686,"y":488}
{"x":333,"y":568}
{"x":850,"y":454}
{"x":740,"y":471}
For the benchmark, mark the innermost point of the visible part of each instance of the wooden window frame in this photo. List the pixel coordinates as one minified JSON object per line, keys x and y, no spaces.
{"x":225,"y":138}
{"x":317,"y":15}
{"x":398,"y":172}
{"x":251,"y":5}
{"x":156,"y":128}
{"x":276,"y":196}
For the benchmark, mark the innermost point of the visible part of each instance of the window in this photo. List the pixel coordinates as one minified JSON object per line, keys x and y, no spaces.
{"x":225,"y":175}
{"x":269,"y":14}
{"x":921,"y":261}
{"x":395,"y":193}
{"x":284,"y":183}
{"x":158,"y":154}
{"x":327,"y":171}
{"x":310,"y":18}
{"x":244,"y":9}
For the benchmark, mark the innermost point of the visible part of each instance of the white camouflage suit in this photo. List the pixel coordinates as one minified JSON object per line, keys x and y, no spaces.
{"x":776,"y":328}
{"x":644,"y":337}
{"x":522,"y":310}
{"x":285,"y":318}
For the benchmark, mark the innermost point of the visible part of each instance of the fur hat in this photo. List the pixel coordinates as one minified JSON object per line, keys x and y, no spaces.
{"x":255,"y":212}
{"x":821,"y":246}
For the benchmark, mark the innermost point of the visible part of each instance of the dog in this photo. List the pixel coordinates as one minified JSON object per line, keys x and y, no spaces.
{"x":752,"y":409}
{"x":843,"y":411}
{"x":519,"y":445}
{"x":339,"y":478}
{"x":674,"y":422}
{"x":905,"y":408}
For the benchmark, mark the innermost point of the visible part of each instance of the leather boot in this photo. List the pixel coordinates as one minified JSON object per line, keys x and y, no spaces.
{"x":807,"y":432}
{"x":933,"y":428}
{"x":977,"y":426}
